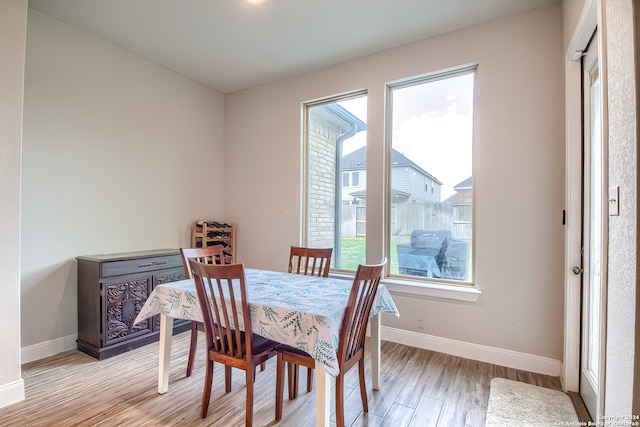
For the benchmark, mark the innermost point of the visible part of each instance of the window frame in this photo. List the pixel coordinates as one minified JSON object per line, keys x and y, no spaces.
{"x":427,"y":286}
{"x":305,"y":107}
{"x":402,"y":285}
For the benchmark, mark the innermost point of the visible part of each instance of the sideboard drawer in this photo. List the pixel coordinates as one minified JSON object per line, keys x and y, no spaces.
{"x":142,"y":265}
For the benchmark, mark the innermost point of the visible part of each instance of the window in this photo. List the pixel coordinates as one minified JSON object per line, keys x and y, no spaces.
{"x":345,"y":179}
{"x":334,"y":163}
{"x":431,"y":208}
{"x":351,"y":179}
{"x":428,"y":180}
{"x":355,"y":179}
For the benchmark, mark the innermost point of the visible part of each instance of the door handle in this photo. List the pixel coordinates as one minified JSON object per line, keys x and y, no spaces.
{"x":577,"y":270}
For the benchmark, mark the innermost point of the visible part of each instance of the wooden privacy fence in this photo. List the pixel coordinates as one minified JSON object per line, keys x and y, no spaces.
{"x":405,"y":218}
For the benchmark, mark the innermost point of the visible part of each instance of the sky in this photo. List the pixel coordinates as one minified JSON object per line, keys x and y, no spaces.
{"x":432,"y":126}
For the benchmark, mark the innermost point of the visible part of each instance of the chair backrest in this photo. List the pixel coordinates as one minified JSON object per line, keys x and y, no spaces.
{"x":221,"y":288}
{"x":310,"y":261}
{"x":207,"y":255}
{"x":356,"y":316}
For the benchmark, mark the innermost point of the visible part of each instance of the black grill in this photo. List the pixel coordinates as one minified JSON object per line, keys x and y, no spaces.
{"x":434,"y":253}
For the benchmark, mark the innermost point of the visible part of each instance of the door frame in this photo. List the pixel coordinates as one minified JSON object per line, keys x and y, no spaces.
{"x":590,"y":19}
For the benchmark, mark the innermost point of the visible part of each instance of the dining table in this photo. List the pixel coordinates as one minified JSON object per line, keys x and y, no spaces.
{"x":302,"y":311}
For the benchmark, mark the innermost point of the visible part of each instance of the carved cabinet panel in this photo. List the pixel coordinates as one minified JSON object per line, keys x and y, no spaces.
{"x":111,"y":292}
{"x":122,"y":302}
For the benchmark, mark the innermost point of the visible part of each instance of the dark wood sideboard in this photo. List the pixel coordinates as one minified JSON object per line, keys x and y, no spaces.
{"x":111,"y":292}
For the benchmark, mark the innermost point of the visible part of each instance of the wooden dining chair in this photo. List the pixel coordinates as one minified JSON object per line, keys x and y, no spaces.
{"x":222,"y":294}
{"x":207,"y":255}
{"x":351,"y":342}
{"x":310,"y":262}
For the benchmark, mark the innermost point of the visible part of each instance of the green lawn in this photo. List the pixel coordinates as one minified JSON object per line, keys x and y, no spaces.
{"x":353,"y":253}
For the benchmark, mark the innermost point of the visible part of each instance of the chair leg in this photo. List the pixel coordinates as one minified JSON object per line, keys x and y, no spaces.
{"x":227,"y":379}
{"x":192,"y":348}
{"x":340,"y":400}
{"x":309,"y":379}
{"x":294,"y":379}
{"x":250,"y":379}
{"x":363,"y":387}
{"x":206,"y":393}
{"x":255,"y":368}
{"x":292,"y":370}
{"x":279,"y":385}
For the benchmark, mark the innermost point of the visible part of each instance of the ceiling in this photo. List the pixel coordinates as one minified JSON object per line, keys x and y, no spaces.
{"x":230,"y":45}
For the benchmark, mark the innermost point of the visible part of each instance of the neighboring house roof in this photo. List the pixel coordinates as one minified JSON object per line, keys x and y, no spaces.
{"x":358,"y":160}
{"x":464,"y":185}
{"x":342,"y":117}
{"x":355,"y":160}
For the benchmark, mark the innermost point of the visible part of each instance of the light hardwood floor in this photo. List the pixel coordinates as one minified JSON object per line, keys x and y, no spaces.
{"x":417,"y":388}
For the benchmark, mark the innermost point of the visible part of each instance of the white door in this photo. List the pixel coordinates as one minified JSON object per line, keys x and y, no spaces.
{"x":594,"y":238}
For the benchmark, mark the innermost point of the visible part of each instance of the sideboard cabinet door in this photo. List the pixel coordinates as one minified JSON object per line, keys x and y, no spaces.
{"x":122,"y":300}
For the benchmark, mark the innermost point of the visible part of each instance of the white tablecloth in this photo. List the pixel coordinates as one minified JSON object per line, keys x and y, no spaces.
{"x":301,"y":311}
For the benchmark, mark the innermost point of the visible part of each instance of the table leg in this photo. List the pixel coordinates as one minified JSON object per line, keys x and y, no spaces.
{"x":323,"y":398}
{"x":166,"y":334}
{"x":375,"y":352}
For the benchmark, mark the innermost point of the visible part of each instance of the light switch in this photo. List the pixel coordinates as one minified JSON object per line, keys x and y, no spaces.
{"x":614,"y":201}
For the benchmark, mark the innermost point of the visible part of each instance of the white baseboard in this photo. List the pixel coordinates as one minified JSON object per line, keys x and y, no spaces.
{"x":496,"y":356}
{"x":48,"y":348}
{"x":11,"y":393}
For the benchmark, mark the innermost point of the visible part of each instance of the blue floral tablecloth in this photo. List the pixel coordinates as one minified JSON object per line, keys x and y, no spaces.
{"x":301,"y":311}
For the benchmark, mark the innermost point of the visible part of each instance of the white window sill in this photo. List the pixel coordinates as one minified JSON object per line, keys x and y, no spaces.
{"x":424,"y":289}
{"x":432,"y":290}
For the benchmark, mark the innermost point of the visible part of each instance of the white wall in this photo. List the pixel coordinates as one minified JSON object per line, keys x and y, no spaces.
{"x":13,"y":22}
{"x":119,"y":155}
{"x":518,"y":168}
{"x":622,"y":312}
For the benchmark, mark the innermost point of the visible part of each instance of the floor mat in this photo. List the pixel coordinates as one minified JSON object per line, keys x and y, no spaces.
{"x":513,"y":403}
